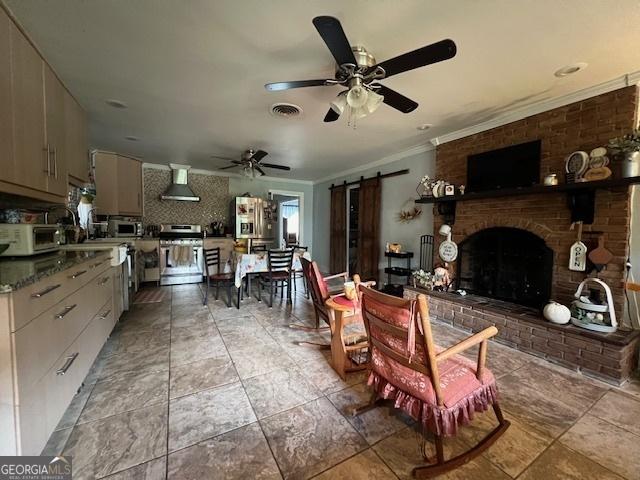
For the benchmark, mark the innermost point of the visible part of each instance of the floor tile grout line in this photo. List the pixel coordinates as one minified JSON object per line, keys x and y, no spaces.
{"x":166,"y":462}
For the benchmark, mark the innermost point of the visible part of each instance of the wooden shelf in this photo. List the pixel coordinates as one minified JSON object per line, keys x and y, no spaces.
{"x":536,"y":189}
{"x":398,"y":271}
{"x":399,"y":254}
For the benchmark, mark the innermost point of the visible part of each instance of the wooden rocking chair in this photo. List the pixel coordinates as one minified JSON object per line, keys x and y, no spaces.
{"x":437,"y":387}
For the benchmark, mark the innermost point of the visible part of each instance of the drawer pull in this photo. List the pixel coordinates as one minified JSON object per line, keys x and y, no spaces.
{"x":105,"y":315}
{"x":65,"y":311}
{"x":103,"y":281}
{"x":68,"y":362}
{"x":42,"y":293}
{"x":77,"y":274}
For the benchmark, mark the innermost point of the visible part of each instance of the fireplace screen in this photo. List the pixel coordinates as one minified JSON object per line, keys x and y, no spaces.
{"x":506,"y":264}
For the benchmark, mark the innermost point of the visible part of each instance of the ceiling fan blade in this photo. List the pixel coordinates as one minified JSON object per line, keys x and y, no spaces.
{"x":259,"y":170}
{"x":331,"y":116}
{"x":259,"y":155}
{"x":271,"y":165}
{"x":228,"y":167}
{"x":333,"y":35}
{"x":395,"y":99}
{"x":436,"y":52}
{"x":274,"y":87}
{"x":224,"y":158}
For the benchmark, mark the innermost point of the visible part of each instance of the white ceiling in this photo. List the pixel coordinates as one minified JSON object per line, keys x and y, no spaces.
{"x":192,"y":72}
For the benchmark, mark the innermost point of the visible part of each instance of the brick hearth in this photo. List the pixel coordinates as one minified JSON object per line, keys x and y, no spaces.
{"x":610,"y":357}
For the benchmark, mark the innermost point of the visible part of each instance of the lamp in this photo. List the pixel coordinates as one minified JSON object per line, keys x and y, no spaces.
{"x":357,"y":96}
{"x":339,"y":103}
{"x":359,"y":100}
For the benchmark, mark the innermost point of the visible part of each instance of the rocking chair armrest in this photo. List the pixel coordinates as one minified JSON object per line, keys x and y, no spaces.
{"x":369,"y":284}
{"x":467,"y":343}
{"x":344,"y":275}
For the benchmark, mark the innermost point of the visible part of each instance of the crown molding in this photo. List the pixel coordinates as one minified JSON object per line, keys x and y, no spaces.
{"x":542,"y":106}
{"x":415,"y":150}
{"x":221,"y":173}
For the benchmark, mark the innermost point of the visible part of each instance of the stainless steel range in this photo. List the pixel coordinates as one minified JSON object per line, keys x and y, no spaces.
{"x":181,"y":254}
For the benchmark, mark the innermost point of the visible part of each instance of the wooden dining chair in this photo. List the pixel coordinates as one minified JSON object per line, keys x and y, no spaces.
{"x":438,"y":387}
{"x":212,"y":265}
{"x":296,"y":274}
{"x":279,"y":263}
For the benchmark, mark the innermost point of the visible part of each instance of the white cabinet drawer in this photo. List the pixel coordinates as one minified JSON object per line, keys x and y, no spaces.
{"x":42,"y":341}
{"x":44,"y":405}
{"x":32,"y":300}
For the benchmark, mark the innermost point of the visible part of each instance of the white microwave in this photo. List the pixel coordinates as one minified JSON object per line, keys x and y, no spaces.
{"x":124,"y":229}
{"x":29,"y":239}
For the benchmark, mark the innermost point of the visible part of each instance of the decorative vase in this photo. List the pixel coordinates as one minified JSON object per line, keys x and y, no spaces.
{"x":556,"y":313}
{"x":631,"y":164}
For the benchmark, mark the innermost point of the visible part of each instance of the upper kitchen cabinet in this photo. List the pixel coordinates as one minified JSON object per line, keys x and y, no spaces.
{"x":7,"y":168}
{"x":54,"y":94}
{"x":118,"y":184}
{"x":32,"y":160}
{"x":76,"y":142}
{"x":43,"y":131}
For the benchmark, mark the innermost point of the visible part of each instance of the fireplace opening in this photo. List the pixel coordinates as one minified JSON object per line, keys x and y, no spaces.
{"x":507,"y":264}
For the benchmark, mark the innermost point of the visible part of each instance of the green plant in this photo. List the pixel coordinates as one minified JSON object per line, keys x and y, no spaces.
{"x":626,"y":144}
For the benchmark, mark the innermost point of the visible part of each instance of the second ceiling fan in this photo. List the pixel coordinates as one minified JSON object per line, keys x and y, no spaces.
{"x":251,"y":162}
{"x":357,"y":70}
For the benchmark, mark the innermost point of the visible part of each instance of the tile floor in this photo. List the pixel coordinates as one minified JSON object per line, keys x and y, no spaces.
{"x":184,"y":391}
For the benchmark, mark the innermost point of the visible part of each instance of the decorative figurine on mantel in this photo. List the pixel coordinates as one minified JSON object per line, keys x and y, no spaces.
{"x":442,"y":278}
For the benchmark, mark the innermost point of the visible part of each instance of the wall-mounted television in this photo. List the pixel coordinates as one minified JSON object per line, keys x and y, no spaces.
{"x":509,"y":167}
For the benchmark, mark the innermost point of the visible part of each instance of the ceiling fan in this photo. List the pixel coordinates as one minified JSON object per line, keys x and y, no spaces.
{"x":251,"y":161}
{"x":357,"y":70}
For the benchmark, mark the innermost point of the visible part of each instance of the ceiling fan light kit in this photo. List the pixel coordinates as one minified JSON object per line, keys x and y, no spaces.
{"x":356,"y":69}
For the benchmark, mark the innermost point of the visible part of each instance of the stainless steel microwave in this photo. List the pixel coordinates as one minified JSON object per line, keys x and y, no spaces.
{"x":29,"y":239}
{"x":124,"y":228}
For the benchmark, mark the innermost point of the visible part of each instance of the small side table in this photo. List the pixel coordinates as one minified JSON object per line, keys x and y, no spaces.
{"x":344,"y":312}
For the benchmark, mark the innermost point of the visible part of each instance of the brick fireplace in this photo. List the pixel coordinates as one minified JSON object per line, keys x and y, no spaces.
{"x":546,"y":218}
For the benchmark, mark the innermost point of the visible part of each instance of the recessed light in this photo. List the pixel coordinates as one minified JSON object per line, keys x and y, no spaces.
{"x":112,"y":102}
{"x":570,"y":69}
{"x":132,"y":138}
{"x":424,"y":126}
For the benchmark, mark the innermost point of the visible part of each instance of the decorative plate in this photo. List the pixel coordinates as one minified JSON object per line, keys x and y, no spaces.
{"x":448,"y":251}
{"x":577,"y":163}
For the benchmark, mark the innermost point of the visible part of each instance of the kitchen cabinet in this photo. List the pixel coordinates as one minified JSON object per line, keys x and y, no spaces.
{"x":50,"y":334}
{"x":129,"y":186}
{"x":7,"y":167}
{"x":55,"y":130}
{"x":43,"y":131}
{"x":32,"y":161}
{"x":118,"y":184}
{"x":76,"y":141}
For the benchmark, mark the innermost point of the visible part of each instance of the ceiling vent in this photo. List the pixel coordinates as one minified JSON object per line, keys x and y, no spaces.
{"x":286,"y":110}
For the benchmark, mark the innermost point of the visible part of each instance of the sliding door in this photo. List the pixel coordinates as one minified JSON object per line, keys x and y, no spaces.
{"x":369,"y":228}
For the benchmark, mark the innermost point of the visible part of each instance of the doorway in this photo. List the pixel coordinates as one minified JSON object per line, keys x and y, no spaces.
{"x":289,"y":229}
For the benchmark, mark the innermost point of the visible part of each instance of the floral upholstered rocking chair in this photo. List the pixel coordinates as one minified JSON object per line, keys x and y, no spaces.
{"x":437,"y":387}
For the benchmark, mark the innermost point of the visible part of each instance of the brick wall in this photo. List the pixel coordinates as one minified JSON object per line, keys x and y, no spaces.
{"x":579,"y":126}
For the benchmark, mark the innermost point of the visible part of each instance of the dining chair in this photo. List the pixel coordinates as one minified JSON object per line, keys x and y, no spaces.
{"x":296,"y":274}
{"x":279,"y":263}
{"x":439,"y":388}
{"x":212,"y":265}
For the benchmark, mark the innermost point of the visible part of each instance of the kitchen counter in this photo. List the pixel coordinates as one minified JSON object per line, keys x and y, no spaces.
{"x":18,"y":272}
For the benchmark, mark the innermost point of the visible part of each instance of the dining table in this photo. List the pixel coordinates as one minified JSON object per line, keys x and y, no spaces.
{"x":244,"y":264}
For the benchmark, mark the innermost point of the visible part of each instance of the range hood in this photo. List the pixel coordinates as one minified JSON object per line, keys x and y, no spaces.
{"x":179,"y":190}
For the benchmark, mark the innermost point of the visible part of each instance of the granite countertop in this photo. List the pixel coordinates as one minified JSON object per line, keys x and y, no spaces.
{"x":18,"y":272}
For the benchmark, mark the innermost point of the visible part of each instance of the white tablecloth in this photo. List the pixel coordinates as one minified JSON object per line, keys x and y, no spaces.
{"x":258,"y":262}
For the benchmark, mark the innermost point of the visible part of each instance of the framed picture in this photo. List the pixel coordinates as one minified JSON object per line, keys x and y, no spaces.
{"x":449,"y":190}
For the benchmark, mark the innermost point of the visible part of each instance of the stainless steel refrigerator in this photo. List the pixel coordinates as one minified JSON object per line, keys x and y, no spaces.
{"x":255,"y":220}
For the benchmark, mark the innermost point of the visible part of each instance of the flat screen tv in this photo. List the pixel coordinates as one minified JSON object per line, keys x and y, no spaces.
{"x":509,"y":167}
